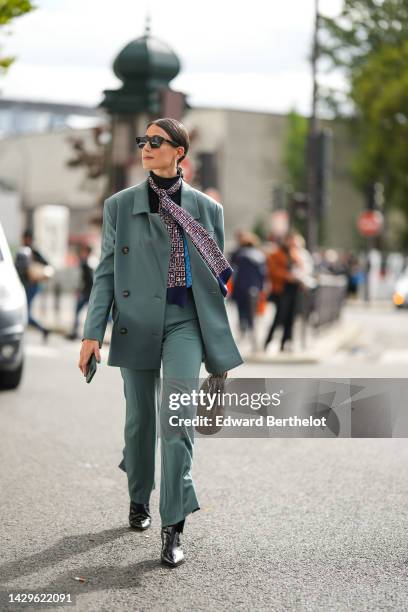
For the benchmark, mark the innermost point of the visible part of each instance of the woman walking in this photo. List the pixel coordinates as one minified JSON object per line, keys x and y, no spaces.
{"x":283,"y":265}
{"x":163,"y":272}
{"x":248,"y":262}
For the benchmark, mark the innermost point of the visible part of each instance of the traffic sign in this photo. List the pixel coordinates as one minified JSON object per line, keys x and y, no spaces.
{"x":370,"y":223}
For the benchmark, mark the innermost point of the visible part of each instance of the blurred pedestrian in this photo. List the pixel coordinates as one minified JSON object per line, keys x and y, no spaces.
{"x":85,"y":287}
{"x":306,"y":271}
{"x":249,"y":265}
{"x":308,"y":284}
{"x":284,"y":268}
{"x":32,"y":275}
{"x":354,"y":273}
{"x":332,"y":262}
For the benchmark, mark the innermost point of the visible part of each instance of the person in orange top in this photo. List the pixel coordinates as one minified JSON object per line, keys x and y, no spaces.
{"x":281,"y":269}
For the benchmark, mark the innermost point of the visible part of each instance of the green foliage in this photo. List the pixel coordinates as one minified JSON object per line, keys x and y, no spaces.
{"x":294,"y":150}
{"x":362,"y":28}
{"x":368,"y":42}
{"x":380,"y":92}
{"x":9,"y":10}
{"x":259,"y":227}
{"x":5,"y":62}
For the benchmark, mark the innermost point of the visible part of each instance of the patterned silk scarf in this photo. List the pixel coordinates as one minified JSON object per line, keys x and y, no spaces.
{"x":177,"y":219}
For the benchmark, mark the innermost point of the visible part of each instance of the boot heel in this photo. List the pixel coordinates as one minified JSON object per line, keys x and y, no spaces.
{"x":172,"y":552}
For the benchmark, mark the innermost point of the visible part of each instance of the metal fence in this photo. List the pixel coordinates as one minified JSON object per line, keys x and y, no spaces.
{"x":327,"y":299}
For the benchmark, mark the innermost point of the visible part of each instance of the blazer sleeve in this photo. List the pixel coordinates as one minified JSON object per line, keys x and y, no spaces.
{"x":102,"y":293}
{"x":219,"y":226}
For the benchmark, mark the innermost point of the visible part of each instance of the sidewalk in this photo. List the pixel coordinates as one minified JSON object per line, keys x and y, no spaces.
{"x":384,"y":304}
{"x":319,"y":344}
{"x":60,"y":321}
{"x":316,"y":346}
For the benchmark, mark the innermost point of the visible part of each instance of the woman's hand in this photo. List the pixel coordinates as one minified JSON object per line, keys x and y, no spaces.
{"x":88,"y":347}
{"x":221,"y":374}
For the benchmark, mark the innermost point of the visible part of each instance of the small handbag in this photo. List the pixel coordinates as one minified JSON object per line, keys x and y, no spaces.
{"x":213,"y":384}
{"x":39,"y":273}
{"x":261,"y":303}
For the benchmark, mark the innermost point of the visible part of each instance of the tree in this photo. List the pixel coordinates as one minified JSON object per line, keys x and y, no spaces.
{"x":9,"y":10}
{"x":294,"y":163}
{"x":361,"y":29}
{"x":380,"y":92}
{"x":368,"y":43}
{"x":294,"y":150}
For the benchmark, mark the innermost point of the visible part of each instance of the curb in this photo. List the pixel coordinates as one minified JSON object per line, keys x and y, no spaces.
{"x":339,"y":335}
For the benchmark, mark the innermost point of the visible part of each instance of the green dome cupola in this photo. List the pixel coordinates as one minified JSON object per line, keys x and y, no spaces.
{"x":145,"y":66}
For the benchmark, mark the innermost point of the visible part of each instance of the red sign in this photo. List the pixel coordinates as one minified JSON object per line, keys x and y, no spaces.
{"x":370,"y":223}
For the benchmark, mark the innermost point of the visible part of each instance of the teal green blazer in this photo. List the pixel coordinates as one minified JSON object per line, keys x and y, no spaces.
{"x":131,"y":278}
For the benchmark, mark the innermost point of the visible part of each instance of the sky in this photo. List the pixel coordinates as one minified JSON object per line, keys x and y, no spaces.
{"x":249,"y":56}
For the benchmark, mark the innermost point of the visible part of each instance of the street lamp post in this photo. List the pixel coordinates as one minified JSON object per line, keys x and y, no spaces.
{"x":311,"y":146}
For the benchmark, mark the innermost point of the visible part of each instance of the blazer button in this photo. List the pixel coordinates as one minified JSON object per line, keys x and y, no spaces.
{"x":126,"y":293}
{"x":123,"y":330}
{"x":125,"y":249}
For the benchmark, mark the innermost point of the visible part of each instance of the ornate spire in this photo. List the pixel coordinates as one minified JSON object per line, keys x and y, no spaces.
{"x":148,"y":24}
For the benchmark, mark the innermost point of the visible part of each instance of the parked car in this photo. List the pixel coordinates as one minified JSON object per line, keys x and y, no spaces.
{"x":400,"y":293}
{"x":13,"y":319}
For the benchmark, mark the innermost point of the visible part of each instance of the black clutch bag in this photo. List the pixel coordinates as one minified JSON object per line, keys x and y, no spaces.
{"x":212,"y":424}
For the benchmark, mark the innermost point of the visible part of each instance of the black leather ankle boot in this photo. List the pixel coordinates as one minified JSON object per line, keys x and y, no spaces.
{"x":171,"y":553}
{"x":139,"y":516}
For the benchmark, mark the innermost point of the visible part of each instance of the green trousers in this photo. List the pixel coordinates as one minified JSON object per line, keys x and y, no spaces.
{"x":148,"y":401}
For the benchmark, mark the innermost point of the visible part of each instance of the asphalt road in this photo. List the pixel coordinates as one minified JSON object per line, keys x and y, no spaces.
{"x":285,"y":524}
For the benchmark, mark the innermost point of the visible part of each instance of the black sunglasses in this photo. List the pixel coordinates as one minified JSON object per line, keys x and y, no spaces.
{"x":155,"y":141}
